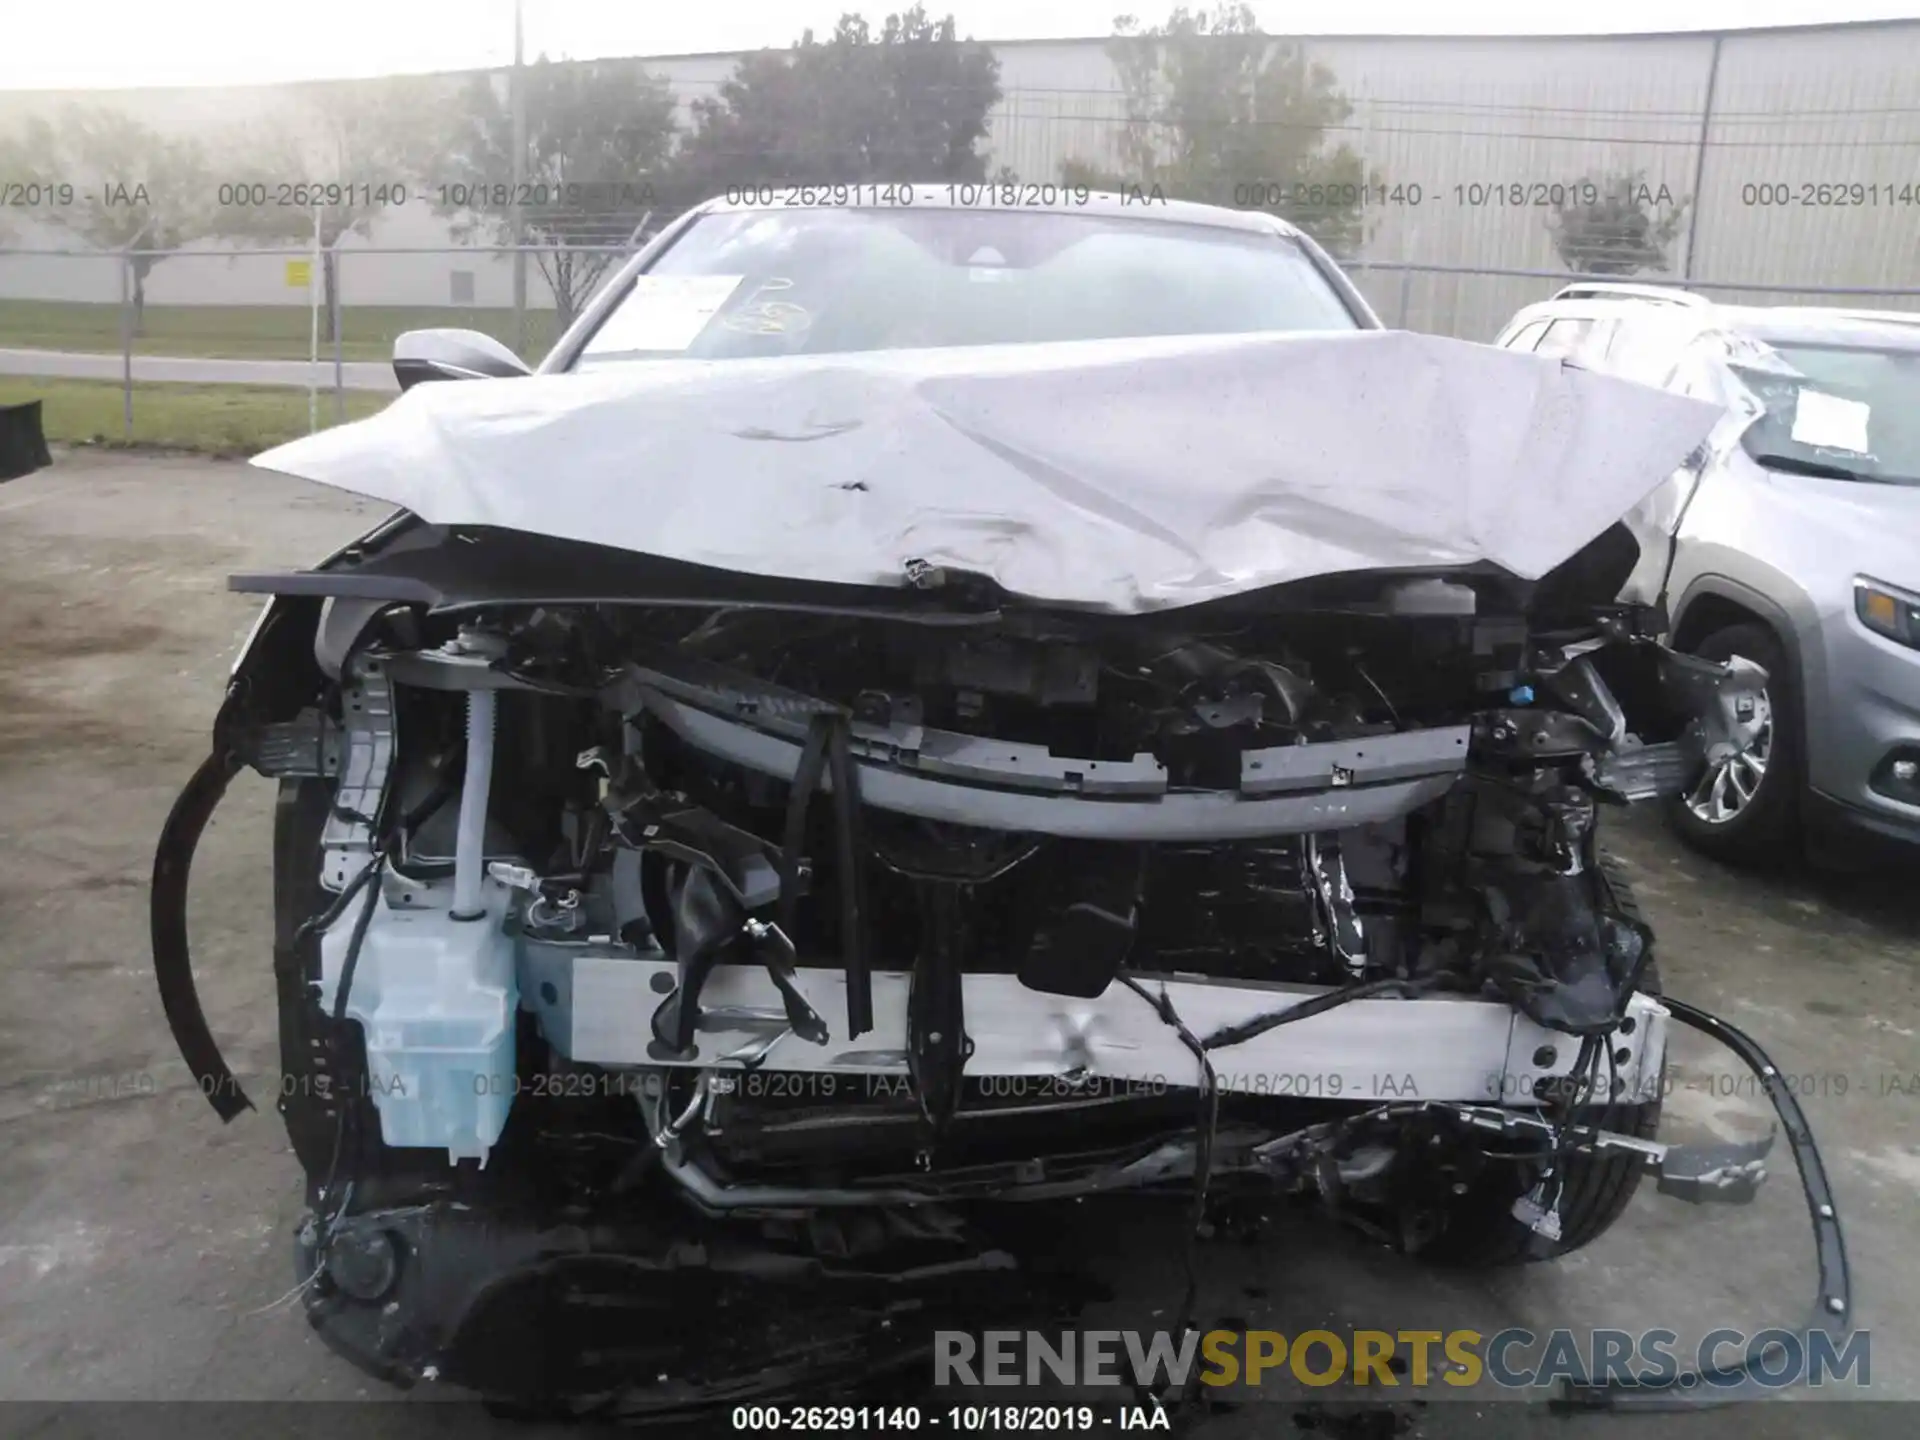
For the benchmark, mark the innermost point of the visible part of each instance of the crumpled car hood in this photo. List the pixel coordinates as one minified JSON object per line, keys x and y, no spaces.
{"x":1120,"y":476}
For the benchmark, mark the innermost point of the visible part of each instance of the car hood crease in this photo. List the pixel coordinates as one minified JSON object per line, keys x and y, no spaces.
{"x":1118,"y":476}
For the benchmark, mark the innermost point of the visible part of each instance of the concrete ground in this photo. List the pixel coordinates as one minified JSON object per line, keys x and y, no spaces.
{"x":144,"y":1247}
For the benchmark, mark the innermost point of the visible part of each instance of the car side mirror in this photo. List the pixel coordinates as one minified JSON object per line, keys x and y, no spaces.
{"x":452,"y":355}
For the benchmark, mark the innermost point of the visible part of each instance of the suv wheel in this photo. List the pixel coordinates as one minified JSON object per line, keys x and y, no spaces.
{"x":1480,"y":1230}
{"x":1743,"y":810}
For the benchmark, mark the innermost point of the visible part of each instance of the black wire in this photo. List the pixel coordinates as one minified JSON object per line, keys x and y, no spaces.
{"x":442,"y":791}
{"x":363,"y":878}
{"x":542,"y":686}
{"x":1206,"y":1126}
{"x":337,"y":907}
{"x":1360,"y":670}
{"x":1558,"y":1146}
{"x":344,"y":1101}
{"x":1245,"y":1030}
{"x":1583,"y":1067}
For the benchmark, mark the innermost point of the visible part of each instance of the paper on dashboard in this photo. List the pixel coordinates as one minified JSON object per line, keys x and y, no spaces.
{"x":1831,"y":422}
{"x":663,"y":312}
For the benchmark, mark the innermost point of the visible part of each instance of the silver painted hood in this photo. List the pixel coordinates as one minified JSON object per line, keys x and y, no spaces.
{"x":1121,"y":476}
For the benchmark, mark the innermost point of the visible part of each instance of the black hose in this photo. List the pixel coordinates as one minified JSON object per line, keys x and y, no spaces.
{"x":167,"y":914}
{"x":852,"y":851}
{"x":173,"y":856}
{"x":793,"y":840}
{"x":825,"y":753}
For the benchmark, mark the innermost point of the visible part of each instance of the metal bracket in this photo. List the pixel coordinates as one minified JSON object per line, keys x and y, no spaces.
{"x":347,"y":840}
{"x":937,"y":1042}
{"x":1729,"y":1174}
{"x":307,"y":745}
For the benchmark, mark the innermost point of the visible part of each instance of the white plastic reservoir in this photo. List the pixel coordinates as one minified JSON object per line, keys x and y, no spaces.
{"x":436,"y":998}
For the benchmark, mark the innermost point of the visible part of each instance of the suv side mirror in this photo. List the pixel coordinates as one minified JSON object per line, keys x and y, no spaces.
{"x":452,"y":355}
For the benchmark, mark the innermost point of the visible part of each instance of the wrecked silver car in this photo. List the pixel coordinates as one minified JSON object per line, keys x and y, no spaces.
{"x":747,"y":820}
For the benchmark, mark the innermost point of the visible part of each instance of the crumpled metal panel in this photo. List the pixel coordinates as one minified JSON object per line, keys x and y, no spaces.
{"x":1122,"y":476}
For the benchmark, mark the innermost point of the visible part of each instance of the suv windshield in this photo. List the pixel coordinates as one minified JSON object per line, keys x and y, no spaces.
{"x":1850,"y":412}
{"x":817,"y":282}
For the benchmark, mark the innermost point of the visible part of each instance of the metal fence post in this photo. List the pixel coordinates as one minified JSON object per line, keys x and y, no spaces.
{"x":339,"y":376}
{"x":516,"y":214}
{"x":1700,"y":160}
{"x":126,"y":343}
{"x":313,"y":326}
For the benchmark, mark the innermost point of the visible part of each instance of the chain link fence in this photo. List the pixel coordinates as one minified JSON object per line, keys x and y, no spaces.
{"x":324,"y":322}
{"x":275,"y":319}
{"x":1475,"y":303}
{"x":1457,"y":179}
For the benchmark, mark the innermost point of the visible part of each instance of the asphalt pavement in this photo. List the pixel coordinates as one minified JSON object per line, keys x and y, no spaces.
{"x":146,"y":1249}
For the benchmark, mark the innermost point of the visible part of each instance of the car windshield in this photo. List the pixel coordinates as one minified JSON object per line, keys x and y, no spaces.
{"x":820,"y":282}
{"x":1851,"y":412}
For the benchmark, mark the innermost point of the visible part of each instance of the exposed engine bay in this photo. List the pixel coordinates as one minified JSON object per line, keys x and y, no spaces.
{"x":704,"y":859}
{"x":775,"y":916}
{"x":654,"y":933}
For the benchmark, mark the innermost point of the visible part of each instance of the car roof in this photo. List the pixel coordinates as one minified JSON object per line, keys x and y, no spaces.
{"x":1811,"y":325}
{"x":1045,"y":197}
{"x":1807,"y":324}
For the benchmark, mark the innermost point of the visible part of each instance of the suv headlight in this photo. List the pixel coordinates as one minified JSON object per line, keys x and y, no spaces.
{"x":1887,"y":611}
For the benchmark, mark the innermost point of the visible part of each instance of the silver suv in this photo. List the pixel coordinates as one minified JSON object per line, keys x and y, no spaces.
{"x":1794,"y":541}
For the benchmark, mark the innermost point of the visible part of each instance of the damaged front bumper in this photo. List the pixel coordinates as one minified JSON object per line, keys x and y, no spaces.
{"x":840,"y":1299}
{"x":475,"y":1275}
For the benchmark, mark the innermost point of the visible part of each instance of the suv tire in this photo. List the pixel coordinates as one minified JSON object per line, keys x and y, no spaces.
{"x":1481,"y":1232}
{"x":1760,"y":823}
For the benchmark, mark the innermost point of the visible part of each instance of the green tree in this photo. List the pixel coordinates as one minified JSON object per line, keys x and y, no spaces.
{"x":1616,"y":223}
{"x":1219,"y":111}
{"x":599,"y":136}
{"x":16,"y":168}
{"x":906,"y":105}
{"x":134,"y":187}
{"x":345,"y":152}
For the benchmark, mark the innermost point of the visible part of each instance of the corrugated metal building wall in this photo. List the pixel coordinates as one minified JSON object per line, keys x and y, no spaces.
{"x":1465,"y":119}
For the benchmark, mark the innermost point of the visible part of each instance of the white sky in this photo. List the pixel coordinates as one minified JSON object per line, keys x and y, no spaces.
{"x":71,"y":44}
